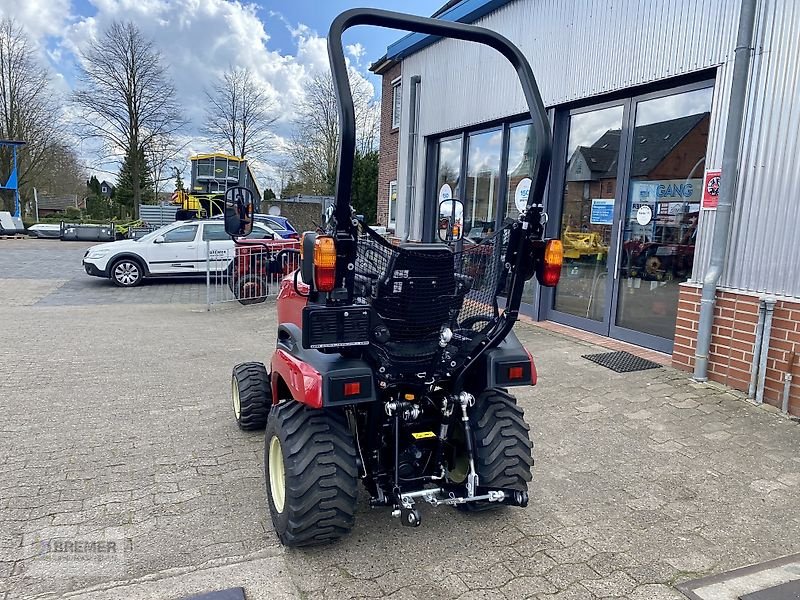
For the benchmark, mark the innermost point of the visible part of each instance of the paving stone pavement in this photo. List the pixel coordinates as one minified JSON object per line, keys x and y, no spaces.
{"x":60,"y":263}
{"x":116,"y":426}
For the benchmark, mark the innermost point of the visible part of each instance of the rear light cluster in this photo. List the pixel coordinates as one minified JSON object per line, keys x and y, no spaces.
{"x":552,"y":261}
{"x":324,"y":263}
{"x":352,"y":388}
{"x":515,"y":373}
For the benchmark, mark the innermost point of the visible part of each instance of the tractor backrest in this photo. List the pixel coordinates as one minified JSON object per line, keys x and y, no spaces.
{"x":417,"y":291}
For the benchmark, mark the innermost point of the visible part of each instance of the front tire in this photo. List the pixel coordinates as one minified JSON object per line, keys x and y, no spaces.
{"x":311,"y":474}
{"x":251,"y":395}
{"x":127,"y":272}
{"x":503,"y":448}
{"x":250,"y":289}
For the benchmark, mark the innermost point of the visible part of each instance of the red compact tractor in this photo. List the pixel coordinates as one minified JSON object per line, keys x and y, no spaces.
{"x":257,"y":264}
{"x":393,"y":363}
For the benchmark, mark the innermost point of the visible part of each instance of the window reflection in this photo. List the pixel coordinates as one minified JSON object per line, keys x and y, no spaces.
{"x":587,"y":216}
{"x":520,"y":153}
{"x":483,"y":173}
{"x":448,"y":170}
{"x":660,"y":221}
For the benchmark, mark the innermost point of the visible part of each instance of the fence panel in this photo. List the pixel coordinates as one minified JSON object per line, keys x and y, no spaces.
{"x":247,"y":274}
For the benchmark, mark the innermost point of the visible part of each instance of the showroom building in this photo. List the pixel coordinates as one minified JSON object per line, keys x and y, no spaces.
{"x":639,"y":94}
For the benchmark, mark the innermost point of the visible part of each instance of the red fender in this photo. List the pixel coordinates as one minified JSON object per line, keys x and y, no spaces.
{"x":303,"y":381}
{"x":290,"y":303}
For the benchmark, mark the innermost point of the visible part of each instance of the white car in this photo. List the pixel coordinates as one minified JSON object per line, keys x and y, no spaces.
{"x":179,"y":249}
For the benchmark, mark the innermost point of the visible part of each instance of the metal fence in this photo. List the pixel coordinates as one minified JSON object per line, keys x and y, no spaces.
{"x":157,"y":215}
{"x":247,"y":274}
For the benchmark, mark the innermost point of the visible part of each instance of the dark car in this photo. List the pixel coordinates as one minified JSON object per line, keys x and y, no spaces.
{"x":280,"y":225}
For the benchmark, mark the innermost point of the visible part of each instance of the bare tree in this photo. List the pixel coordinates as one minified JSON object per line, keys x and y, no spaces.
{"x":240,"y":114}
{"x":28,"y":107}
{"x":125,"y":99}
{"x":64,"y":173}
{"x":164,"y":155}
{"x":314,"y":146}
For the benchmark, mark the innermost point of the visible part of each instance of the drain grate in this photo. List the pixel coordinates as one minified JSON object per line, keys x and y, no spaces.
{"x":786,"y":591}
{"x":622,"y":362}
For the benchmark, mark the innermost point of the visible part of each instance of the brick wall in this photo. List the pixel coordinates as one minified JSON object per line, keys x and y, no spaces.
{"x":733,"y":338}
{"x":387,"y":163}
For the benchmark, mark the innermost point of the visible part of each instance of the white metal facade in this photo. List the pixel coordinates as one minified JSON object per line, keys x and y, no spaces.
{"x":581,"y":49}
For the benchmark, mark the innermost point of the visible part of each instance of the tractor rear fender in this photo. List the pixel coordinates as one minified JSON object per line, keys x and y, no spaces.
{"x":317,"y":379}
{"x":508,"y":364}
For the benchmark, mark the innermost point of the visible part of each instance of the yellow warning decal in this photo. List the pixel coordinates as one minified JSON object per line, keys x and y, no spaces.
{"x":421,"y":435}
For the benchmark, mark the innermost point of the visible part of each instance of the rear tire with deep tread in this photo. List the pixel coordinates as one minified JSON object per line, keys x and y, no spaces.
{"x":503,"y":448}
{"x":251,"y":381}
{"x":320,"y":474}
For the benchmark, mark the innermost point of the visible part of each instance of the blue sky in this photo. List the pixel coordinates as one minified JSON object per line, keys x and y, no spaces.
{"x":281,"y":41}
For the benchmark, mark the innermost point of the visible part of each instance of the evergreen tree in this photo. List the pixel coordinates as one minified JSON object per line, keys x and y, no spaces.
{"x":365,"y":185}
{"x":178,"y":181}
{"x":93,"y":186}
{"x":269,"y":195}
{"x":124,"y":195}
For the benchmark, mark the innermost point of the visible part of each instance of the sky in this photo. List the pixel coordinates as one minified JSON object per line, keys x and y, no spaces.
{"x":281,"y":41}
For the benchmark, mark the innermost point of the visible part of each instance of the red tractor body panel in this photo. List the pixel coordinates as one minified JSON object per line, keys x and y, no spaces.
{"x":302,"y":380}
{"x":290,"y":303}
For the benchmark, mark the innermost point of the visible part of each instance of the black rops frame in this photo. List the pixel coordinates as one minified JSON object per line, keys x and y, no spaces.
{"x":346,"y":226}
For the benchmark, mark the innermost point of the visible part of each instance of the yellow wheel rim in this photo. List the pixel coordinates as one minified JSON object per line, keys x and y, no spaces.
{"x":277,"y":475}
{"x":237,"y":404}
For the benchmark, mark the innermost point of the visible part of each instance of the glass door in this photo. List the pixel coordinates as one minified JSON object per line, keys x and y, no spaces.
{"x":482,"y":184}
{"x":664,"y":181}
{"x":589,"y":205}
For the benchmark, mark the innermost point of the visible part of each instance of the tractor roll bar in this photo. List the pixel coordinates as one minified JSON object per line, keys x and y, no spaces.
{"x":540,"y":164}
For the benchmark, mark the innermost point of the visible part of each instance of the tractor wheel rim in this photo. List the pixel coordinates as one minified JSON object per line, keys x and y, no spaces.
{"x":251,"y":290}
{"x":126,"y":273}
{"x":237,"y":403}
{"x":277,"y":475}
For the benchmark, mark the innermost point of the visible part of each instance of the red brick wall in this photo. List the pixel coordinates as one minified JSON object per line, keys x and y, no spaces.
{"x":733,"y":338}
{"x":387,"y":162}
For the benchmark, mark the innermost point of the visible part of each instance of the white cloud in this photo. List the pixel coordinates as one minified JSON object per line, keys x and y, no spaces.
{"x":200,"y":40}
{"x":356,"y":50}
{"x":39,"y":18}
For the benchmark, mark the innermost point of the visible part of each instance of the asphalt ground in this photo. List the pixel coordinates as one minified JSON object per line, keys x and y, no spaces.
{"x":117,"y":429}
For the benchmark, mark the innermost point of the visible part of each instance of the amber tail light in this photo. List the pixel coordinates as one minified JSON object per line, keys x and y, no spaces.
{"x":324,"y":263}
{"x":552,"y":261}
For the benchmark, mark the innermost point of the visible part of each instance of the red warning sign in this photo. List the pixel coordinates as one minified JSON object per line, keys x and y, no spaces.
{"x":711,"y":189}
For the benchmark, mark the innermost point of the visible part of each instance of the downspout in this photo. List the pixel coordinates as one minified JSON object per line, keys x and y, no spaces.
{"x":411,"y":170}
{"x":730,"y":175}
{"x":769,"y":308}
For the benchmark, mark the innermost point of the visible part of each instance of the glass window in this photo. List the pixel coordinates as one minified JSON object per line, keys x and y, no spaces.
{"x":393,"y":204}
{"x":397,"y":99}
{"x":587,"y":215}
{"x":233,"y":170}
{"x":448,"y":169}
{"x":220,"y":168}
{"x":260,"y":233}
{"x":214,"y":232}
{"x":520,"y":148}
{"x":184,"y":233}
{"x":205,"y":167}
{"x":483,"y":172}
{"x":663,"y":205}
